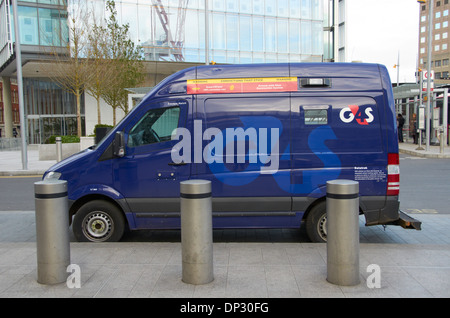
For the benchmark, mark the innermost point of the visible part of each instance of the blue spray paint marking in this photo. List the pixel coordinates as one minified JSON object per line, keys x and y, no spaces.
{"x":313,"y":179}
{"x":246,"y":176}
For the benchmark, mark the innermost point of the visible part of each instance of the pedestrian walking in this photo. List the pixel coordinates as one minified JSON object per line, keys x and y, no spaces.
{"x":400,"y":124}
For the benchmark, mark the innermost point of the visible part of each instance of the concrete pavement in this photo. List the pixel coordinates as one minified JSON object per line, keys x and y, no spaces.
{"x":408,"y":267}
{"x":412,"y":263}
{"x":432,"y":152}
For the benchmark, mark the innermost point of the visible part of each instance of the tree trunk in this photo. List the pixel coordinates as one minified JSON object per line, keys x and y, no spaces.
{"x":99,"y":117}
{"x":78,"y":114}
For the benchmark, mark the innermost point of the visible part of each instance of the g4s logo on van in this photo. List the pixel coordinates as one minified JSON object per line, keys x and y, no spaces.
{"x":354,"y":112}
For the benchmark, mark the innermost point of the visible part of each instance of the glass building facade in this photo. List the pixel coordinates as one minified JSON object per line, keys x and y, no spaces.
{"x":50,"y":111}
{"x":240,"y":31}
{"x":43,"y":23}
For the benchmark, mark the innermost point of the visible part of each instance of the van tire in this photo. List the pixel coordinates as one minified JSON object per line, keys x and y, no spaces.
{"x":98,"y":221}
{"x":316,"y":223}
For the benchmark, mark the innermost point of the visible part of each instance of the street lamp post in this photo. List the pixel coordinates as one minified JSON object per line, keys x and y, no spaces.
{"x":430,"y":38}
{"x":23,"y":123}
{"x":206,"y":33}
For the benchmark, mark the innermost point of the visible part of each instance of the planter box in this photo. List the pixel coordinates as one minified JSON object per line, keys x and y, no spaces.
{"x":86,"y":142}
{"x":48,"y":152}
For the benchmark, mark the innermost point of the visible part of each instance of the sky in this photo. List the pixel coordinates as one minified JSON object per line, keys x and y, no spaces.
{"x":379,"y":31}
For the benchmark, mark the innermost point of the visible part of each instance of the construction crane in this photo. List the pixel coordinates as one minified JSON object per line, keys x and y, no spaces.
{"x":175,"y":42}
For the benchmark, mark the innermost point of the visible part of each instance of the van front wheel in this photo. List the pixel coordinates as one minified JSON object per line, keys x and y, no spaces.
{"x":316,"y":223}
{"x":98,"y":221}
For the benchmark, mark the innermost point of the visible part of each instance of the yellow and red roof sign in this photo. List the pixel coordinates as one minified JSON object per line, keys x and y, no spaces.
{"x":242,"y":85}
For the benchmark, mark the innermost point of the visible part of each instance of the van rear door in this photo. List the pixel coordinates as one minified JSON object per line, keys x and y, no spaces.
{"x":337,"y":137}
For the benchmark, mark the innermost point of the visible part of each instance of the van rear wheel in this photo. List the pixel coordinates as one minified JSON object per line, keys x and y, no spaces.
{"x":98,"y":221}
{"x":316,"y":223}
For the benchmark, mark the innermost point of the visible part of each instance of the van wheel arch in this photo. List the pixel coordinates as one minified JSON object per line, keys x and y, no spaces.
{"x":315,"y":224}
{"x":109,"y":209}
{"x":314,"y":221}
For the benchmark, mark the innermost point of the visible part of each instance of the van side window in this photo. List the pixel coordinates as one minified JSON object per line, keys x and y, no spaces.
{"x":155,"y":126}
{"x":316,"y":115}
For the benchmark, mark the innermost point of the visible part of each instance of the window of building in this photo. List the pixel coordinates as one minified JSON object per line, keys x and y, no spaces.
{"x":232,"y":30}
{"x":438,"y":15}
{"x":28,"y":24}
{"x":444,"y":46}
{"x":437,"y":36}
{"x":283,"y":8}
{"x":445,"y":13}
{"x":445,"y":35}
{"x":258,"y":34}
{"x":437,"y":47}
{"x":445,"y":62}
{"x":218,"y":31}
{"x":422,"y":39}
{"x":294,"y":36}
{"x":270,"y":35}
{"x":423,"y":18}
{"x":282,"y":35}
{"x":423,"y":29}
{"x":305,"y":31}
{"x":437,"y":63}
{"x":437,"y":26}
{"x":306,"y":9}
{"x":271,"y":7}
{"x":245,"y":41}
{"x":42,"y":26}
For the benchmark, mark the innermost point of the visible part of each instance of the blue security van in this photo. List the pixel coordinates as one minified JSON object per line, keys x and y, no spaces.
{"x":267,"y":136}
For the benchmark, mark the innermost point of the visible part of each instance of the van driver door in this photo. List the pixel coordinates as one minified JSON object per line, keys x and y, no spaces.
{"x":146,"y":176}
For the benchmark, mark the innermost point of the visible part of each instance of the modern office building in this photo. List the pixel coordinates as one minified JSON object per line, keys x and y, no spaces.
{"x":49,"y":109}
{"x":440,"y":61}
{"x":174,"y":34}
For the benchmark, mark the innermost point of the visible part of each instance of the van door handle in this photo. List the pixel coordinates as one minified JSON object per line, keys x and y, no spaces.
{"x":177,"y":164}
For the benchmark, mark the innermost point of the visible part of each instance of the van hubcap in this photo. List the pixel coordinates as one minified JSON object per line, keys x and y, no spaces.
{"x":322,"y":227}
{"x":98,"y":226}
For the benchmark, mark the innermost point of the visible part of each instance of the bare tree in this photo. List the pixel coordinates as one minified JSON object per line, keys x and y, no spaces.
{"x":127,"y":62}
{"x":101,"y":66}
{"x":70,"y":67}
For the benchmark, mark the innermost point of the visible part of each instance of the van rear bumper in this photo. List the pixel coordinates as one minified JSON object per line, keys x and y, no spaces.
{"x":380,"y":210}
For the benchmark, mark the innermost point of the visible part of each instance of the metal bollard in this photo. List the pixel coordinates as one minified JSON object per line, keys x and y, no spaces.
{"x":196,"y":232}
{"x":58,"y":149}
{"x":343,"y":232}
{"x":52,"y":231}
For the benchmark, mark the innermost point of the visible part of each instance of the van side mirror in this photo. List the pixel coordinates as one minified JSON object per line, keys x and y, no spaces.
{"x":119,"y":144}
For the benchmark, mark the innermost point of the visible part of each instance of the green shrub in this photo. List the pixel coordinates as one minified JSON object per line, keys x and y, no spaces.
{"x":99,"y":126}
{"x":64,"y":139}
